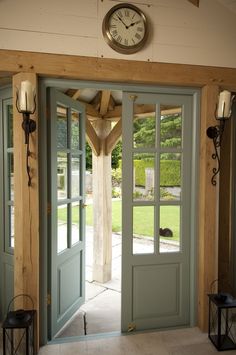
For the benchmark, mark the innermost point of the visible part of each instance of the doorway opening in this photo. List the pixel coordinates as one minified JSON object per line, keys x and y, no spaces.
{"x":158,"y":207}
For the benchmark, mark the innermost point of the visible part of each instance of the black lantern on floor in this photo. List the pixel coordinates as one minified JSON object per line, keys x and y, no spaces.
{"x":18,"y":331}
{"x":222,"y":321}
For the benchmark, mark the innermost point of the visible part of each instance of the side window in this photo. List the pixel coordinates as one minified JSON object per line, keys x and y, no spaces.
{"x":8,"y":175}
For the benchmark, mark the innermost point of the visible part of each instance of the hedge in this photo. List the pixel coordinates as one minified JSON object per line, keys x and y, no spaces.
{"x":169,"y":171}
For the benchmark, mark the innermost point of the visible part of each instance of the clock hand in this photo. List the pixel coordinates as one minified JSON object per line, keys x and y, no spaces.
{"x":134,"y":23}
{"x":123,"y":22}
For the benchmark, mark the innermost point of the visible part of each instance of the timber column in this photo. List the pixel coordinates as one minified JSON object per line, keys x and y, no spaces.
{"x":102,"y":207}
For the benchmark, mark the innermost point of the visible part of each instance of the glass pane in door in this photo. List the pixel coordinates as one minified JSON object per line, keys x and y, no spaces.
{"x":10,"y":157}
{"x":75,"y":176}
{"x":62,"y":174}
{"x":10,"y":126}
{"x":144,"y":126}
{"x":171,"y":126}
{"x":170,"y":176}
{"x":143,"y":177}
{"x":143,"y":230}
{"x":62,"y":128}
{"x":169,"y":232}
{"x":12,"y":227}
{"x":74,"y":130}
{"x":75,"y":229}
{"x":62,"y":228}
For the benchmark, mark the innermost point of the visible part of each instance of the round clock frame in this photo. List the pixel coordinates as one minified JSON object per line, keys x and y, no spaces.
{"x":118,"y":21}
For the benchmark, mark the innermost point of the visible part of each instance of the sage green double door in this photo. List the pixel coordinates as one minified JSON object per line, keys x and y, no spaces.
{"x":66,"y":156}
{"x":157,"y":235}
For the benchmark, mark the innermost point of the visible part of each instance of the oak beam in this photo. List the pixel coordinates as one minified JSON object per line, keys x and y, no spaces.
{"x":76,"y":94}
{"x":208,"y":209}
{"x":225,"y":208}
{"x":113,"y":137}
{"x":91,"y":111}
{"x":116,"y":70}
{"x":195,"y":2}
{"x":96,"y":102}
{"x":102,"y":207}
{"x":92,"y":138}
{"x":104,"y":102}
{"x":26,"y":206}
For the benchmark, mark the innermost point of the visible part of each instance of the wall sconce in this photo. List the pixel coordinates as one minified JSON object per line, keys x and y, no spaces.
{"x":223,"y":112}
{"x":26,"y":104}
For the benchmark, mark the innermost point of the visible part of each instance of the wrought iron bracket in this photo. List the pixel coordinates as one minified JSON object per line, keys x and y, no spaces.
{"x":216,"y":134}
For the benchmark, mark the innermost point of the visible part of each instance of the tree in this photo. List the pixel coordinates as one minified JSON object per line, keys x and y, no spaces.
{"x":170,"y":135}
{"x":115,"y":156}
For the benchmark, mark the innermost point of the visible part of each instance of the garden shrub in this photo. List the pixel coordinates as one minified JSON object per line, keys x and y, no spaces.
{"x":170,"y":172}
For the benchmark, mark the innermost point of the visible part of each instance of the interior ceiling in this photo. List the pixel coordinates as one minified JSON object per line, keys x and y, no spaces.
{"x":107,"y":105}
{"x":230,"y":4}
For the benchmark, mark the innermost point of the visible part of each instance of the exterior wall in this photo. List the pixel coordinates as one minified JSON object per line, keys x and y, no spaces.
{"x":180,"y":32}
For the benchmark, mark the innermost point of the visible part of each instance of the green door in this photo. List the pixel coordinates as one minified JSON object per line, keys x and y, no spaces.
{"x":157,"y":277}
{"x":66,"y":209}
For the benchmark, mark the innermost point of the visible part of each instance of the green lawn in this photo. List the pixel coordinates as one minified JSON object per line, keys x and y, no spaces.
{"x":143,"y":218}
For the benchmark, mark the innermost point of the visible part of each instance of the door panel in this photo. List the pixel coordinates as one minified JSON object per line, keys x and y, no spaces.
{"x":66,"y":222}
{"x":156,"y":219}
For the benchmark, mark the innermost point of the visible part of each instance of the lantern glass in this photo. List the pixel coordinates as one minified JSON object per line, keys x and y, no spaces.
{"x":222,"y":321}
{"x":18,"y":333}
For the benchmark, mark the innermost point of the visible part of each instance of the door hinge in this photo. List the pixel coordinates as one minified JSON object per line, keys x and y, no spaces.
{"x":49,"y":208}
{"x":133,"y":97}
{"x":48,"y":299}
{"x":131,"y":327}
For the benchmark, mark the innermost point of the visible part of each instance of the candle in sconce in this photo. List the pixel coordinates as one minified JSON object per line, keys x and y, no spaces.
{"x":224,"y":105}
{"x":26,"y":96}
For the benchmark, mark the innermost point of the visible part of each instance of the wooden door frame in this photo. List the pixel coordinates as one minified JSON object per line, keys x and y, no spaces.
{"x":209,"y":79}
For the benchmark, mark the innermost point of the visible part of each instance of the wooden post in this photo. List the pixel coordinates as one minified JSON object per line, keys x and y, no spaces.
{"x":225,"y":207}
{"x":208,"y":208}
{"x":102,"y":205}
{"x":26,"y":203}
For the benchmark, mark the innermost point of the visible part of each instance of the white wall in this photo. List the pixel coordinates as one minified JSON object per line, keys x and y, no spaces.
{"x":181,"y":32}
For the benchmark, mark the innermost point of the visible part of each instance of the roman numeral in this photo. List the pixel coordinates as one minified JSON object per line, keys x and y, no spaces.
{"x":114,"y":33}
{"x":119,"y":39}
{"x":140,"y":29}
{"x":137,"y":36}
{"x":127,"y":13}
{"x":126,"y":42}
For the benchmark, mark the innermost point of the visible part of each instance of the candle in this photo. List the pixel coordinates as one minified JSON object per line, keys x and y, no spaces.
{"x":224,"y":105}
{"x":26,"y":96}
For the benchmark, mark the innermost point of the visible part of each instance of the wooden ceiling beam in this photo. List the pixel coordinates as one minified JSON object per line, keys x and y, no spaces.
{"x":90,"y":111}
{"x":113,"y":137}
{"x":104,"y":102}
{"x":111,"y":104}
{"x":96,"y":102}
{"x":76,"y":95}
{"x":92,"y":138}
{"x":194,"y":2}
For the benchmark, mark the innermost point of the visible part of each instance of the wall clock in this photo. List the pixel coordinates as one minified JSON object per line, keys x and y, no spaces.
{"x":125,"y":28}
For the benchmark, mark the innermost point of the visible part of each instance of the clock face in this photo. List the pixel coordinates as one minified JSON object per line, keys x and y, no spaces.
{"x":125,"y":28}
